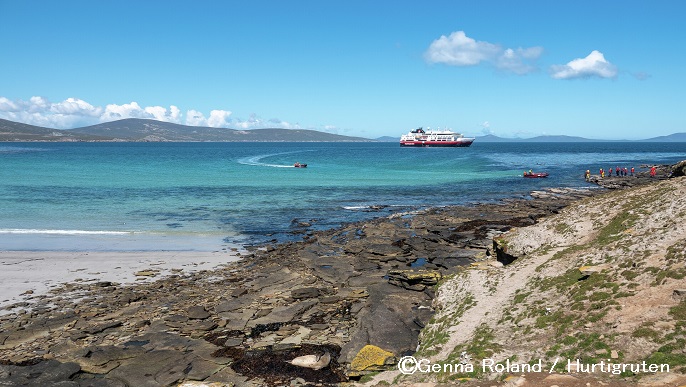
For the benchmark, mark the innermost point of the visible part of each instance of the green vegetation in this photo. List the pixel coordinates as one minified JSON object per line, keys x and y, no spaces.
{"x":438,"y":331}
{"x":563,"y":228}
{"x":573,"y":316}
{"x":614,"y":230}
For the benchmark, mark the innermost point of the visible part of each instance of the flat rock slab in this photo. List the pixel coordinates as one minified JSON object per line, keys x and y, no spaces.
{"x":45,"y":373}
{"x":197,"y":312}
{"x":282,"y":314}
{"x":153,"y":369}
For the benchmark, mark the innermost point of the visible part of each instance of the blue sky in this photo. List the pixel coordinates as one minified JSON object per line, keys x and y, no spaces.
{"x":598,"y":69}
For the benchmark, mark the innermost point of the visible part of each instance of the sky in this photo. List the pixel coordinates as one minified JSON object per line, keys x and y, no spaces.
{"x":598,"y":69}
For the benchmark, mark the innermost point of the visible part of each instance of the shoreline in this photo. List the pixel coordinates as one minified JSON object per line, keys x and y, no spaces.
{"x":111,"y":241}
{"x":342,"y":291}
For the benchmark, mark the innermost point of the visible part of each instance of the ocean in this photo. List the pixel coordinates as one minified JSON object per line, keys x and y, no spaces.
{"x":210,"y":196}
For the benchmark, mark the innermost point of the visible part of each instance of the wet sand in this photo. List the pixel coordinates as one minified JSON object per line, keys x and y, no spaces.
{"x":28,"y":274}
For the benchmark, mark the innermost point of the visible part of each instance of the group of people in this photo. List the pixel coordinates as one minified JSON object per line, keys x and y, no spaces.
{"x":618,"y":172}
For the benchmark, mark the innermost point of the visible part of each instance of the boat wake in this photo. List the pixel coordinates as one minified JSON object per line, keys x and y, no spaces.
{"x":257,"y":160}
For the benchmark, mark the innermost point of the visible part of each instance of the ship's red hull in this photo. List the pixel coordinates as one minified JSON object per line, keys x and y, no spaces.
{"x":436,"y":143}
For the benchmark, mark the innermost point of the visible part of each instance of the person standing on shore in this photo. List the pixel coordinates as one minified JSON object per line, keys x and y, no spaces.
{"x":653,"y":171}
{"x":602,"y":173}
{"x":632,"y":171}
{"x":588,"y":175}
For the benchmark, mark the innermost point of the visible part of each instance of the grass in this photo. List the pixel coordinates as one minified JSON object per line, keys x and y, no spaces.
{"x":566,"y":315}
{"x":438,"y":331}
{"x":615,"y":229}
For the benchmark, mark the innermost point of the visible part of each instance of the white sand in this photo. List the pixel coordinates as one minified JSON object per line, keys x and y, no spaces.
{"x":40,"y":271}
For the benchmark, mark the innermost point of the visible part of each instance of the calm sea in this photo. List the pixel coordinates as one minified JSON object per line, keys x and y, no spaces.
{"x":205,"y":196}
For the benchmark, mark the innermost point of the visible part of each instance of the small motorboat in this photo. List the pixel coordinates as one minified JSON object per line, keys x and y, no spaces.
{"x":298,"y":165}
{"x":533,"y":175}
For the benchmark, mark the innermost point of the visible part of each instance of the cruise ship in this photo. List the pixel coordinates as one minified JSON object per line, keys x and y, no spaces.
{"x":420,"y":137}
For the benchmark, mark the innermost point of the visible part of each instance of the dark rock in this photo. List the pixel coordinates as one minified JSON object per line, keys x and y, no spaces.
{"x":102,"y":326}
{"x":44,"y":373}
{"x":197,"y":313}
{"x":416,"y":280}
{"x":679,"y":169}
{"x":202,"y":369}
{"x":90,"y":381}
{"x":176,"y":318}
{"x":154,"y":368}
{"x":301,"y":293}
{"x":229,"y":305}
{"x":202,"y":326}
{"x":501,"y":253}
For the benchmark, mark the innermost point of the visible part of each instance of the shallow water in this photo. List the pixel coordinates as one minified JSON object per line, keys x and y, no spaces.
{"x":205,"y":196}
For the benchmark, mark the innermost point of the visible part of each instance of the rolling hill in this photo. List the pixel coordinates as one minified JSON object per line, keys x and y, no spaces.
{"x":134,"y":129}
{"x":15,"y":131}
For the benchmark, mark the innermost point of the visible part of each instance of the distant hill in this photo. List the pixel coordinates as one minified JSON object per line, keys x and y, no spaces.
{"x":388,"y":139}
{"x":493,"y":138}
{"x":676,"y":137}
{"x":134,"y":129}
{"x":16,"y":131}
{"x":559,"y":139}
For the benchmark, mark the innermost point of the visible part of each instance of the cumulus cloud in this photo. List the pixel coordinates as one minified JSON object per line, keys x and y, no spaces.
{"x":458,"y":49}
{"x":70,"y":106}
{"x":594,"y":65}
{"x":74,"y":112}
{"x":162,"y":114}
{"x":195,"y":118}
{"x":8,"y":106}
{"x":219,"y":119}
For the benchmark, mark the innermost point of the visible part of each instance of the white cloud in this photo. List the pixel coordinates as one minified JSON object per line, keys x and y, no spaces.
{"x":162,"y":114}
{"x":195,"y":118}
{"x":219,"y":119}
{"x":70,"y":106}
{"x":8,"y":106}
{"x":127,"y":110}
{"x":460,"y":50}
{"x":594,"y":65}
{"x":38,"y":104}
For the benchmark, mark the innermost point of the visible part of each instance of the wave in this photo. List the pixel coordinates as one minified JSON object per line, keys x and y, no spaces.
{"x":257,"y":160}
{"x":61,"y":232}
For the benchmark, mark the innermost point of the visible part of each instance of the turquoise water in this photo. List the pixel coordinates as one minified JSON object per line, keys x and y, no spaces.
{"x":205,"y":196}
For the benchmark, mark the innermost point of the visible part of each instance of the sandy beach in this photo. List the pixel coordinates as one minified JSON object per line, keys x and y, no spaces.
{"x":26,"y":275}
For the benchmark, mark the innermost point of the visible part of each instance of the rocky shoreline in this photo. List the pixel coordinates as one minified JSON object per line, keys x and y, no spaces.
{"x":330,"y":309}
